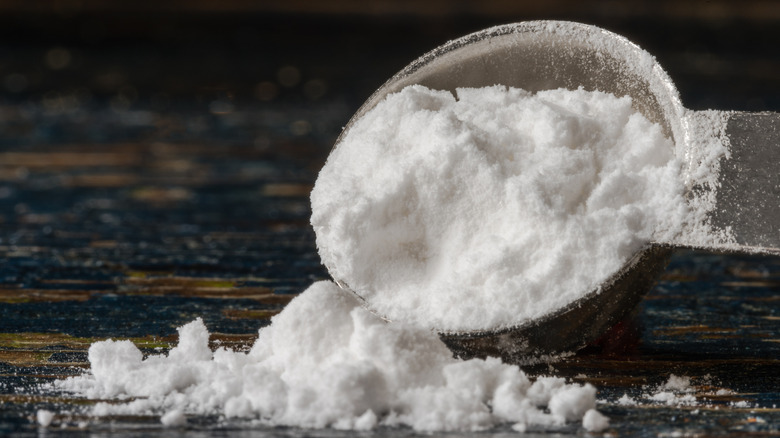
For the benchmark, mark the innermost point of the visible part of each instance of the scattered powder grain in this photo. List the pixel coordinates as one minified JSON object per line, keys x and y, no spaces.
{"x":678,"y":391}
{"x":678,"y":384}
{"x":594,"y":421}
{"x":44,"y":417}
{"x":174,"y":418}
{"x":626,"y":400}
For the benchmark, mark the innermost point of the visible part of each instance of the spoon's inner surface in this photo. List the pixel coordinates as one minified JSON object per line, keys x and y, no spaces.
{"x":542,"y":55}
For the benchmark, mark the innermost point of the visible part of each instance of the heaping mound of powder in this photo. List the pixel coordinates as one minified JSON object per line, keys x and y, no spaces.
{"x":495,"y":207}
{"x":326,"y":362}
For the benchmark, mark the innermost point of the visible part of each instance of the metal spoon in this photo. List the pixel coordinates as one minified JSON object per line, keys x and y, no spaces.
{"x":542,"y":55}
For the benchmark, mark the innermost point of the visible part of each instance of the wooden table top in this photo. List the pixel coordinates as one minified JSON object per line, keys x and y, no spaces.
{"x":146,"y":182}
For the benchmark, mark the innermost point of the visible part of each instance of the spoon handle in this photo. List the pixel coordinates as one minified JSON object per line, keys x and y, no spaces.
{"x":748,"y":192}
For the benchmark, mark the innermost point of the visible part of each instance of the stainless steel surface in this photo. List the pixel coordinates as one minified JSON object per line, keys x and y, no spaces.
{"x":748,"y":196}
{"x":543,"y":55}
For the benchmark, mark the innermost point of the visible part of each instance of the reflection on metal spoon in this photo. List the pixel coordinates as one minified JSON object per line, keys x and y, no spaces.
{"x":544,"y":55}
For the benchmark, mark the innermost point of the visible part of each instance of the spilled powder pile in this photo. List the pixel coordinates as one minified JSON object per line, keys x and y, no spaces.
{"x":327,"y":362}
{"x":493,"y":206}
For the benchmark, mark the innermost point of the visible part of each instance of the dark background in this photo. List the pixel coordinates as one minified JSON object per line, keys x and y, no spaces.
{"x":722,"y":54}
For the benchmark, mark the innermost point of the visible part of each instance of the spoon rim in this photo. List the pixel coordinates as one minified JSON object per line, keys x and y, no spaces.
{"x":636,"y":60}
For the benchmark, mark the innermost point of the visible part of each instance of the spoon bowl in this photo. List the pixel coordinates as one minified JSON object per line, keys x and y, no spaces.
{"x":543,"y":55}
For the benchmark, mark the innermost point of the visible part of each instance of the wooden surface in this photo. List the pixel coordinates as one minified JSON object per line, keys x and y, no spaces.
{"x":146,"y":182}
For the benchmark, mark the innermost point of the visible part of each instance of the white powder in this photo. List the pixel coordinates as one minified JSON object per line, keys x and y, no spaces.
{"x":676,"y":391}
{"x":44,"y":417}
{"x":707,"y":145}
{"x":480,"y":211}
{"x":494,"y":207}
{"x":174,"y":418}
{"x":594,"y":421}
{"x":327,"y":362}
{"x":673,"y":399}
{"x":626,"y":400}
{"x":678,"y":383}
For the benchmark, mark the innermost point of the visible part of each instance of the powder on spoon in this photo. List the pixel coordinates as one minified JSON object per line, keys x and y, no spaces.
{"x":493,"y":206}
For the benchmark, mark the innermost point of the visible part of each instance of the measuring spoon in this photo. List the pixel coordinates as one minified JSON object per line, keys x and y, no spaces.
{"x":730,"y":162}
